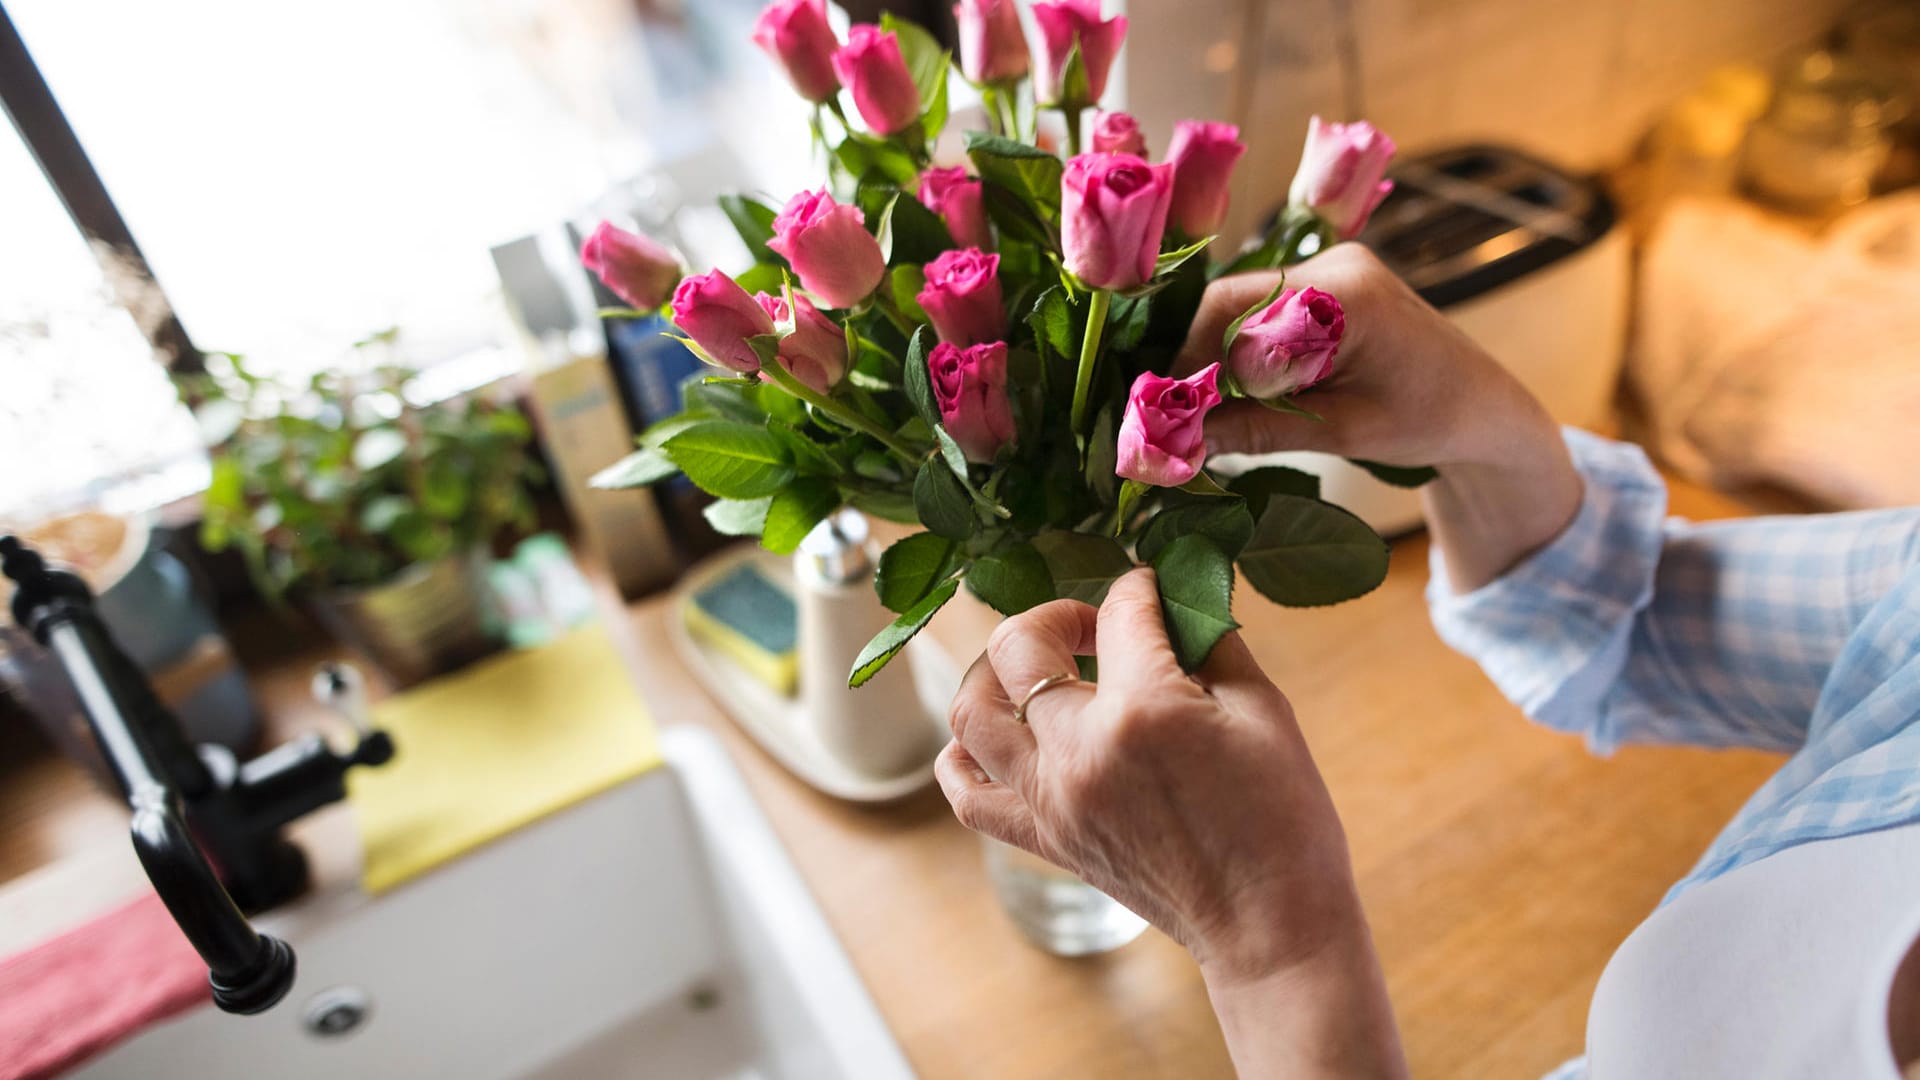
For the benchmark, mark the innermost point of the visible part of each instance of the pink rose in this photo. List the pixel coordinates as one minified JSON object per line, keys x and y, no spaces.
{"x":1289,"y":345}
{"x":957,"y":198}
{"x":637,"y":269}
{"x":970,"y":386}
{"x":1061,"y":24}
{"x":796,"y":33}
{"x":883,"y":89}
{"x":1340,"y":176}
{"x":1203,"y":156}
{"x":1118,"y":133}
{"x":719,"y":316}
{"x":993,"y":48}
{"x":1113,"y":211}
{"x":816,"y":351}
{"x":829,"y":247}
{"x":1161,"y":439}
{"x":962,"y":297}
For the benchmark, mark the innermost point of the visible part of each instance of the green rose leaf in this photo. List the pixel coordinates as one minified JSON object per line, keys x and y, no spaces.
{"x":906,"y":281}
{"x":1257,"y":484}
{"x":1233,"y":328}
{"x":895,"y":506}
{"x":795,"y":510}
{"x":809,"y":457}
{"x":889,"y":641}
{"x":1169,"y":261}
{"x":764,"y":277}
{"x":724,"y":399}
{"x":1229,"y":524}
{"x":942,"y":502}
{"x":919,"y":236}
{"x":1308,"y":553}
{"x":1406,"y":476}
{"x":638,"y":469}
{"x":1053,"y":322}
{"x":1196,"y":597}
{"x":911,"y":567}
{"x":753,"y":220}
{"x":927,"y":62}
{"x":919,"y":380}
{"x":732,"y":460}
{"x":1083,"y":567}
{"x":1013,"y":580}
{"x":1103,"y":456}
{"x":737,"y":517}
{"x":1030,"y":173}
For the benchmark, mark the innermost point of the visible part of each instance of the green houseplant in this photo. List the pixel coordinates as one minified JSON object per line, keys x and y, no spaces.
{"x":375,"y":511}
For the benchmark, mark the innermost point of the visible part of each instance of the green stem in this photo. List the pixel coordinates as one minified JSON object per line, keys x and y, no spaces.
{"x":996,"y":116}
{"x":1089,"y":355}
{"x":833,"y":103}
{"x":892,"y":311}
{"x":1071,"y":113}
{"x":1010,"y":102}
{"x":852,"y":418}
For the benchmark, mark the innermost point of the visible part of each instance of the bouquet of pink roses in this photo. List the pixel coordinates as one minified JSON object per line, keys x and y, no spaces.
{"x":986,"y":354}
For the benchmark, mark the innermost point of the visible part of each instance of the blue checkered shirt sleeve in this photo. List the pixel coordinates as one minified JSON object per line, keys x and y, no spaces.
{"x":1631,"y":627}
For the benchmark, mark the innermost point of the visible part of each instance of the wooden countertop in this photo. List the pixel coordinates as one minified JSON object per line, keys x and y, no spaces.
{"x":1500,"y":864}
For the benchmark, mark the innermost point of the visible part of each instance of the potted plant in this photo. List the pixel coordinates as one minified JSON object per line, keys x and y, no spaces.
{"x":375,"y":511}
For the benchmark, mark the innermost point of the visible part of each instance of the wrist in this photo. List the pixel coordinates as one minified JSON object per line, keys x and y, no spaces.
{"x":1324,"y":1014}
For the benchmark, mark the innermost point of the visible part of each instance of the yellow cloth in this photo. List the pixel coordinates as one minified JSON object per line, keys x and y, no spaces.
{"x":487,"y":750}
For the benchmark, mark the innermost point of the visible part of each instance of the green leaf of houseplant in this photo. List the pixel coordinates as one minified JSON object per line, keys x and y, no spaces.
{"x":1228,"y":523}
{"x":638,"y":469}
{"x":942,"y":502}
{"x":1406,"y":476}
{"x":1307,"y":553}
{"x":1013,"y":580}
{"x":1257,"y":484}
{"x":795,"y":510}
{"x":732,"y":460}
{"x":889,"y":641}
{"x":1196,"y":597}
{"x":1083,"y":567}
{"x":737,"y":517}
{"x":911,"y":567}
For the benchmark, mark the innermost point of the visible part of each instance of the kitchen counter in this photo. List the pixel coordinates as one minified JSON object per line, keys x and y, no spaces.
{"x":1500,"y":863}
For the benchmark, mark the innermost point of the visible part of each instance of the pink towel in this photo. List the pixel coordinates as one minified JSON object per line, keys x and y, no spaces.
{"x":67,"y":999}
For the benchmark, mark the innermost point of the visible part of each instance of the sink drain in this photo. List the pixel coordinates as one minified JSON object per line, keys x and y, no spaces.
{"x":335,"y":1012}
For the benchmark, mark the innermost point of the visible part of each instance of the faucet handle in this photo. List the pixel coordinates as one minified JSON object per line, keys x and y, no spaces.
{"x":341,"y":688}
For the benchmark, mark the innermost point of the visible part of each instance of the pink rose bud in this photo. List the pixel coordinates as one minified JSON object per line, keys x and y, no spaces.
{"x":1289,"y":345}
{"x":1341,"y":171}
{"x":1162,"y":441}
{"x":957,"y":198}
{"x":636,"y":268}
{"x":993,"y":48}
{"x":1113,"y":211}
{"x":829,"y":247}
{"x":970,"y":386}
{"x":1061,"y":24}
{"x":1203,"y":156}
{"x":719,"y":316}
{"x":816,"y":351}
{"x":883,"y":89}
{"x":1118,"y":133}
{"x":962,"y":297}
{"x":796,"y":33}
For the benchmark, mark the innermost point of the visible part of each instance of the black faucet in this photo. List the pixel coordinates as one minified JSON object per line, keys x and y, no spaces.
{"x":193,"y":808}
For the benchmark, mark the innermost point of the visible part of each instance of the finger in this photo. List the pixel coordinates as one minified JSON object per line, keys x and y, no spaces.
{"x":1232,"y":675}
{"x":982,"y":721}
{"x":1248,"y":427}
{"x":1040,"y":643}
{"x":1132,"y":635}
{"x":1224,"y":301}
{"x":982,"y":805}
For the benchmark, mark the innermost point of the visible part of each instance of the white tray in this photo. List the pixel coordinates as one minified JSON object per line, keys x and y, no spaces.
{"x":778,"y":722}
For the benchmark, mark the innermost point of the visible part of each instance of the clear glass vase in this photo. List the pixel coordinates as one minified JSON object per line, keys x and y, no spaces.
{"x":1055,"y":909}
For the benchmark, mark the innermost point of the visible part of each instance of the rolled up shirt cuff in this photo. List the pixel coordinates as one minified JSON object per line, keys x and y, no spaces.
{"x":1552,"y":633}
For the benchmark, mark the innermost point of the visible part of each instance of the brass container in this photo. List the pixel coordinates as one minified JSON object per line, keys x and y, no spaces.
{"x":429,"y":619}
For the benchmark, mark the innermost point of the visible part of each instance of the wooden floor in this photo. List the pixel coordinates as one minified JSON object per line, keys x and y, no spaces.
{"x":1500,"y":864}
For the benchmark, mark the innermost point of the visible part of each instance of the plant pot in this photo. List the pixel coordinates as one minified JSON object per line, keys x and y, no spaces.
{"x":427,"y":620}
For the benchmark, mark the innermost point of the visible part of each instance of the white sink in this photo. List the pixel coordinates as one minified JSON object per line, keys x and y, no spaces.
{"x":657,"y":930}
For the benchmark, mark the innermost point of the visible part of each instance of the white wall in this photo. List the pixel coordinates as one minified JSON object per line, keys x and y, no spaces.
{"x":1577,"y":82}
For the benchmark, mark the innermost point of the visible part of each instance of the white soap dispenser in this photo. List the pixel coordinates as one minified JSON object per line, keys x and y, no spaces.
{"x":880,"y":730}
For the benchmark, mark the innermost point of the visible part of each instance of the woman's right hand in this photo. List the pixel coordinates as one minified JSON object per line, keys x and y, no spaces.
{"x":1409,"y":388}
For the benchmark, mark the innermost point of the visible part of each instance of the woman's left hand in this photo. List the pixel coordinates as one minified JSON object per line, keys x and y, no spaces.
{"x":1194,"y":802}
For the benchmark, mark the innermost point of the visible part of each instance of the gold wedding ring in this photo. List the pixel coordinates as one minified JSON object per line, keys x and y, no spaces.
{"x":1041,"y":687}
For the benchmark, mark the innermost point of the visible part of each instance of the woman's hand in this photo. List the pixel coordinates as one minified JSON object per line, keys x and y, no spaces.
{"x":1409,"y":389}
{"x":1194,"y":802}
